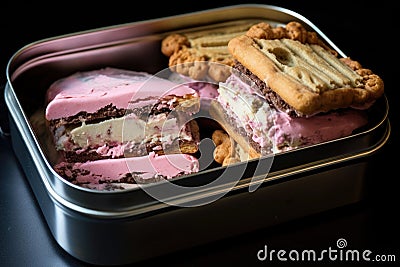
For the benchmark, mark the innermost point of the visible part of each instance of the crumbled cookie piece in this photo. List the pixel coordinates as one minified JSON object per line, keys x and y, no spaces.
{"x":227,"y":151}
{"x":223,"y":146}
{"x":173,"y":43}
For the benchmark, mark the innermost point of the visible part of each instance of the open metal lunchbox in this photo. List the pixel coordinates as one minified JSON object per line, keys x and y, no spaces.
{"x":109,"y":228}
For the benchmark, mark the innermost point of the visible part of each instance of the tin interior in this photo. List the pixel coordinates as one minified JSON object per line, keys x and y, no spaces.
{"x":137,"y":46}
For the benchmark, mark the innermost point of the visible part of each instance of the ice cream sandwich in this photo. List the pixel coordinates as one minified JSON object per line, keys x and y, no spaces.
{"x":101,"y":118}
{"x":289,"y":89}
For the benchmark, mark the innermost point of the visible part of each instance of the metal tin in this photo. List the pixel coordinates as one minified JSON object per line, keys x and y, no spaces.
{"x":108,"y":228}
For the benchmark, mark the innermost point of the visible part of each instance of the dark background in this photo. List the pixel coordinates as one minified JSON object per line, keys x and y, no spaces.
{"x":365,"y":31}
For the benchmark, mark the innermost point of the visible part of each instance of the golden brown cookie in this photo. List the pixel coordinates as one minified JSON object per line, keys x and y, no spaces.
{"x":191,"y":53}
{"x":303,"y":71}
{"x":227,"y":150}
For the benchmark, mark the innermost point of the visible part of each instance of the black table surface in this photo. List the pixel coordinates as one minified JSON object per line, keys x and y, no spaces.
{"x":365,"y":31}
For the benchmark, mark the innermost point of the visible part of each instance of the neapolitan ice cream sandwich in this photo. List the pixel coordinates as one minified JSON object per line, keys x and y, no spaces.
{"x":289,"y":89}
{"x":108,"y":118}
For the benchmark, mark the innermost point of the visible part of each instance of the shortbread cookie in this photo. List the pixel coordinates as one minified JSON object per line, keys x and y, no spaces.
{"x":299,"y":74}
{"x":190,"y":53}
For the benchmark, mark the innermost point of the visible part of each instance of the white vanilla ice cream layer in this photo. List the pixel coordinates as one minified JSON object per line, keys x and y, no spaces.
{"x":127,"y":129}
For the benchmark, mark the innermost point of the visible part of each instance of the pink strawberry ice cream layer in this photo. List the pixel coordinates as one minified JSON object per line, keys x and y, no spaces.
{"x":113,"y":170}
{"x":274,"y":130}
{"x":92,"y":90}
{"x":293,"y":132}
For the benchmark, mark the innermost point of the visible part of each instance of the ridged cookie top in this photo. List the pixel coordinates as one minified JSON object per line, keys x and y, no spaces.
{"x":204,"y":47}
{"x":307,"y":74}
